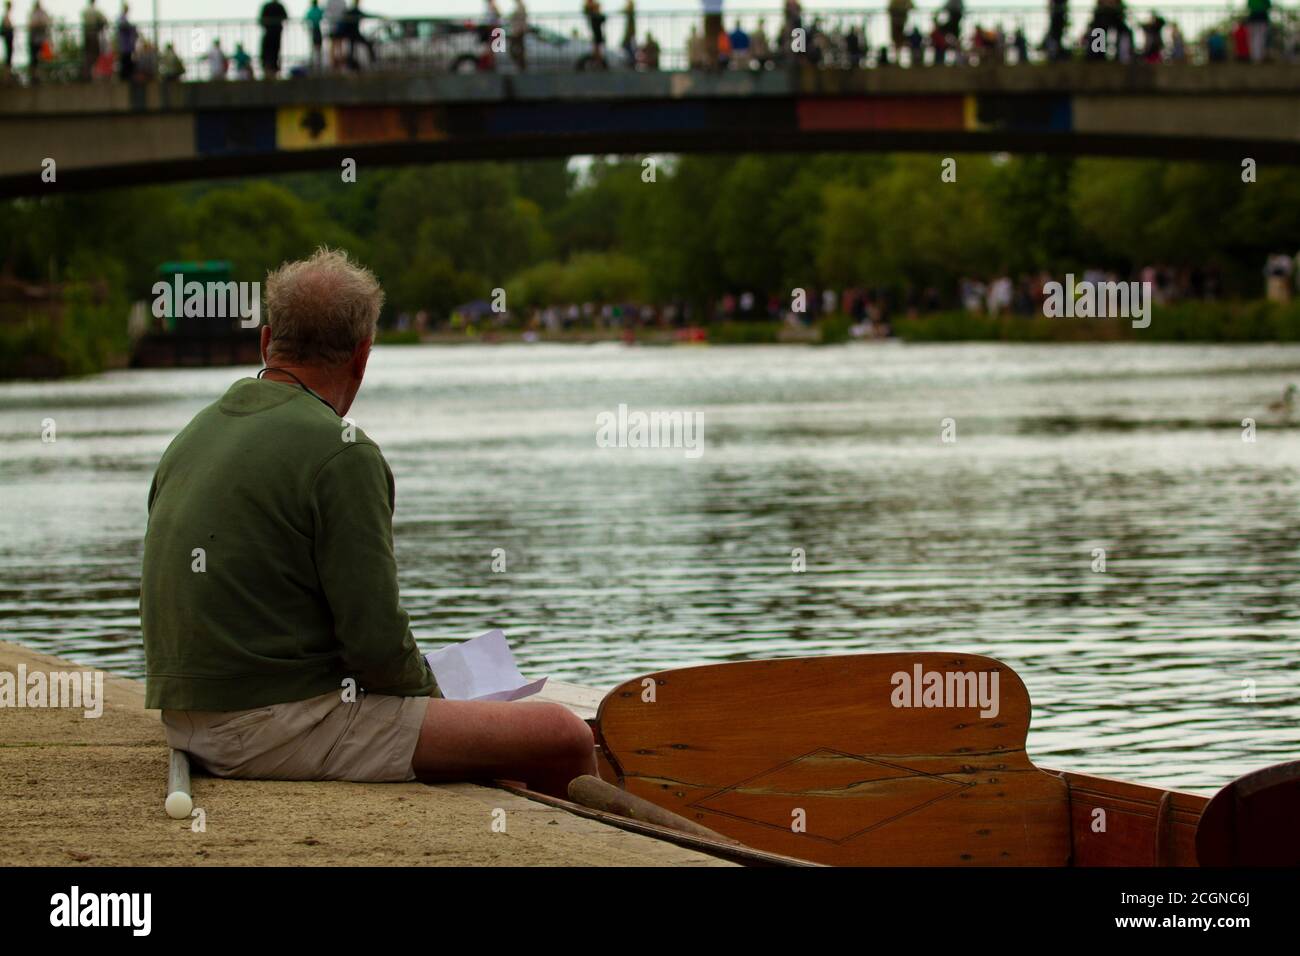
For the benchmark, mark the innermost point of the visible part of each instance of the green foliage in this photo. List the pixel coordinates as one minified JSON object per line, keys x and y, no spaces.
{"x":1034,"y":225}
{"x":1225,"y":322}
{"x":677,"y":245}
{"x":741,"y":224}
{"x":905,"y":229}
{"x":1183,"y":322}
{"x":744,"y":332}
{"x":258,"y":225}
{"x":441,"y":235}
{"x":445,"y":234}
{"x":89,"y":333}
{"x":834,"y":329}
{"x":587,"y":277}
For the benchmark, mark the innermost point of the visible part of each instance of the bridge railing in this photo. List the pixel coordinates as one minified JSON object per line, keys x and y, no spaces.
{"x":562,"y":42}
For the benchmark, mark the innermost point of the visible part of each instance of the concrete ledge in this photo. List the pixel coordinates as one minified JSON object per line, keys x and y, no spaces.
{"x":90,"y":791}
{"x":1267,"y":118}
{"x":79,"y":142}
{"x":1061,"y":78}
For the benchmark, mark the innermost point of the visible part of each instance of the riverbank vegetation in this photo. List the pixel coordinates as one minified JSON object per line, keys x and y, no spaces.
{"x":74,"y":327}
{"x":1224,"y":322}
{"x":690,"y":231}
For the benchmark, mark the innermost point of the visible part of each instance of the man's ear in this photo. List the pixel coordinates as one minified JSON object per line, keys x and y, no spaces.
{"x":265,"y":347}
{"x":360,"y":356}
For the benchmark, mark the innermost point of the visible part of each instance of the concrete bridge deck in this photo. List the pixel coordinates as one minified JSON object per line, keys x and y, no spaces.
{"x":103,"y":135}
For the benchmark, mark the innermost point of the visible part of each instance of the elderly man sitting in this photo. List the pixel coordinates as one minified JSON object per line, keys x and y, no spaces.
{"x":275,"y":643}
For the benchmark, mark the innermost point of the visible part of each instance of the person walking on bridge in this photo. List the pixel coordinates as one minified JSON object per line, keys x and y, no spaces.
{"x":519,"y":35}
{"x":792,"y":19}
{"x":272,"y":17}
{"x":712,"y":33}
{"x":760,"y":52}
{"x":783,"y":44}
{"x":1058,"y":18}
{"x":242,"y":62}
{"x":629,"y":33}
{"x":127,"y":37}
{"x":596,"y":22}
{"x":1257,"y":13}
{"x":218,"y":63}
{"x":487,"y":35}
{"x":314,"y":16}
{"x":170,"y":67}
{"x":335,"y":12}
{"x":93,"y":23}
{"x":1153,"y":43}
{"x":352,"y":18}
{"x":954,"y":11}
{"x":38,"y":35}
{"x":7,"y":35}
{"x":899,"y":10}
{"x":738,"y":41}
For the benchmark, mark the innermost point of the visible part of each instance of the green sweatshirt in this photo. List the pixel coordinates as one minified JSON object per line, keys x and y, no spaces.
{"x":269,"y":573}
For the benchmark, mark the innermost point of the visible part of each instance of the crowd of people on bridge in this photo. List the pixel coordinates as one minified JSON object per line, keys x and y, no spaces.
{"x":102,"y":47}
{"x":950,"y":37}
{"x":107,"y":48}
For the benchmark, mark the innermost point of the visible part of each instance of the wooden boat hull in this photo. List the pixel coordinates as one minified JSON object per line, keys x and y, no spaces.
{"x":1115,"y":823}
{"x":810,"y":758}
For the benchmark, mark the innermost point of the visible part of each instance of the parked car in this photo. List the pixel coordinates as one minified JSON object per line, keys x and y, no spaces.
{"x":463,"y":46}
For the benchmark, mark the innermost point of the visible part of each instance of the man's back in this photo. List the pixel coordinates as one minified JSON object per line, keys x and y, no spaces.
{"x":268,"y":567}
{"x":269,"y":580}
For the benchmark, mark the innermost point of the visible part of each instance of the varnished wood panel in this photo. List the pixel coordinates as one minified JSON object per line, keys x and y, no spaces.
{"x":1137,"y":825}
{"x":744,"y":748}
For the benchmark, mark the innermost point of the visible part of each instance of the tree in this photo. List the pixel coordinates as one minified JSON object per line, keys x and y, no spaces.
{"x":258,"y":225}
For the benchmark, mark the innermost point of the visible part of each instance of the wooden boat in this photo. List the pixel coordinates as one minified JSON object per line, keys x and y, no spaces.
{"x":905,"y":760}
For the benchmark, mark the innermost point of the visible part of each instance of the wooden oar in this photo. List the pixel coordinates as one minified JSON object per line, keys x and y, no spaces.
{"x":724,"y":849}
{"x":869,"y":759}
{"x":598,"y":795}
{"x":179,"y":802}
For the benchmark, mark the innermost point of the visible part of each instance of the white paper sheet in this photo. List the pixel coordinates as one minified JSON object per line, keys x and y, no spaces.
{"x":480,"y":669}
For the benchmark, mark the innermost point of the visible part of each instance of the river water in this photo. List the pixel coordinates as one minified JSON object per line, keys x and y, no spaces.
{"x":620,"y":561}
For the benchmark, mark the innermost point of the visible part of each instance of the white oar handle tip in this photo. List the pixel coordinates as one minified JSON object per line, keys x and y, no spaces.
{"x":178,"y":805}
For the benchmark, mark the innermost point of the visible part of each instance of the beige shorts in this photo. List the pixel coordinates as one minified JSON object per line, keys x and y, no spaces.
{"x":323,"y":738}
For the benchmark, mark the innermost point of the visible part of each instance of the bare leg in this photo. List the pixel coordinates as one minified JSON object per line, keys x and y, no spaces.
{"x":541,"y":743}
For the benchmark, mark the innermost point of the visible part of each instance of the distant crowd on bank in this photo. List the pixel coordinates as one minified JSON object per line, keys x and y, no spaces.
{"x":870,"y":310}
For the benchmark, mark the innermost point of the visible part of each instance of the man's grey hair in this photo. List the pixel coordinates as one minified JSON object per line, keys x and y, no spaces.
{"x":320,"y":309}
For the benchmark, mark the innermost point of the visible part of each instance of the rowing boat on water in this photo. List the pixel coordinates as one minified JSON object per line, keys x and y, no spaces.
{"x":908,"y":760}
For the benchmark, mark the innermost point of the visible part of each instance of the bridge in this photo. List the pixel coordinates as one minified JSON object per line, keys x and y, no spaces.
{"x":114,"y":134}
